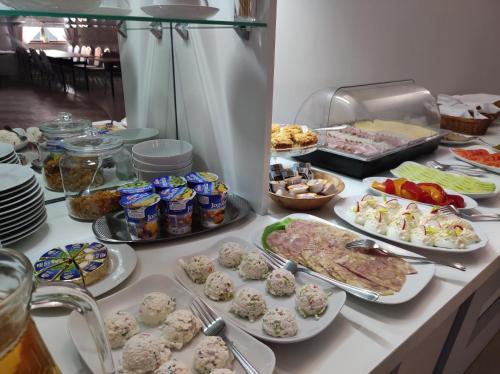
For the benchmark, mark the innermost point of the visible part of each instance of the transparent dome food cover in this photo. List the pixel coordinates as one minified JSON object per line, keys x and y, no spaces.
{"x":372,"y":120}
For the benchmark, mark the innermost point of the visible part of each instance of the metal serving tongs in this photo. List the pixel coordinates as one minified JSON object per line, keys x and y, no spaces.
{"x":450,"y":209}
{"x":462,"y":169}
{"x":370,"y":244}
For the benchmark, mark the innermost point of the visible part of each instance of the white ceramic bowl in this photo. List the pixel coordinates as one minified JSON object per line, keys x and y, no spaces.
{"x":163,"y":151}
{"x":149,"y":175}
{"x":146,"y":166}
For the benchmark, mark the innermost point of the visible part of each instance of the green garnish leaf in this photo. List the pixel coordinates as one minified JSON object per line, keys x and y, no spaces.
{"x":277,"y":226}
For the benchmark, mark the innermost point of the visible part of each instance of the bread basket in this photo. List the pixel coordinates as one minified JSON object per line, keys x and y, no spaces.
{"x":294,"y":203}
{"x":469,"y":126}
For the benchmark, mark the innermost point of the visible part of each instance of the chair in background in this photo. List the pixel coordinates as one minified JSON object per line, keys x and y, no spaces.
{"x":36,"y":64}
{"x":24,"y":62}
{"x":112,"y":66}
{"x":48,"y":70}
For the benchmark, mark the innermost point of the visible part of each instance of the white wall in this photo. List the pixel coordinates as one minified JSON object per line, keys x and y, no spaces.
{"x":449,"y":46}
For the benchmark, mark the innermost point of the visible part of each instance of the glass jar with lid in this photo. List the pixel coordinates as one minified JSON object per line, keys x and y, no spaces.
{"x":50,"y":147}
{"x":89,"y":175}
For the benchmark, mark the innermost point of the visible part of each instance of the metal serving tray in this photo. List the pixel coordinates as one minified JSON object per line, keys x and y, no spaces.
{"x":112,"y":228}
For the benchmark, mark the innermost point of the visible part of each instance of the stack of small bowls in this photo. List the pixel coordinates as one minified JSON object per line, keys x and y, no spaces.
{"x":160,"y":157}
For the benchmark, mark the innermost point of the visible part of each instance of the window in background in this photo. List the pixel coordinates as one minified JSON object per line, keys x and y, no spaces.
{"x":33,"y":34}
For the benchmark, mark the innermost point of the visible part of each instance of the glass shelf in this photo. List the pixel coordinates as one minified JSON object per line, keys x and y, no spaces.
{"x":221,"y":17}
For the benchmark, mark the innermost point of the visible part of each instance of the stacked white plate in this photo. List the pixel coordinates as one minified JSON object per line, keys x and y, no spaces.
{"x":160,"y":157}
{"x":8,"y":155}
{"x":22,"y":206}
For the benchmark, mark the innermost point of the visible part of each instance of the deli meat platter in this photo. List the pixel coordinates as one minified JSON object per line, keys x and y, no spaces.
{"x":366,"y":129}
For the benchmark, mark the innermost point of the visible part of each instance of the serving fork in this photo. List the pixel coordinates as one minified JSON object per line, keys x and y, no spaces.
{"x":276,"y":261}
{"x":214,"y":325}
{"x":450,"y":209}
{"x":462,"y":169}
{"x":370,"y":244}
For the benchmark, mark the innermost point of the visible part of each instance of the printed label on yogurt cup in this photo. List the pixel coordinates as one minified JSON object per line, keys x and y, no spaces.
{"x":178,"y":209}
{"x":141,"y":212}
{"x":212,"y":199}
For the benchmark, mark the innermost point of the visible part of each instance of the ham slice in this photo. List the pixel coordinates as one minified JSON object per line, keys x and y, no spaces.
{"x":321,"y":247}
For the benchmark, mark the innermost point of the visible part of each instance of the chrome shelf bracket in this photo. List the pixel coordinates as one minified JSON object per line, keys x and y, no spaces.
{"x":156,"y":29}
{"x":182,"y":30}
{"x":243,"y":32}
{"x":121,"y":29}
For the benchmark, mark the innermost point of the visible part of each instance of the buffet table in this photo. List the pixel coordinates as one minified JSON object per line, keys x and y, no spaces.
{"x":364,"y":337}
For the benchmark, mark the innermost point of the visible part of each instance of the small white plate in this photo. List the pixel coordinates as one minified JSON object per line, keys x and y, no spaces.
{"x":308,"y":327}
{"x":22,"y":207}
{"x":414,"y":284}
{"x":483,"y":195}
{"x":23,"y":234}
{"x":123,"y":262}
{"x":344,"y":205}
{"x":14,"y":160}
{"x":475,"y":163}
{"x":469,"y":202}
{"x":129,"y":299}
{"x":6,"y":150}
{"x":13,"y":192}
{"x":13,"y":176}
{"x":179,"y":11}
{"x":23,"y":197}
{"x":22,"y":190}
{"x":469,"y":139}
{"x":15,"y":221}
{"x":23,"y":224}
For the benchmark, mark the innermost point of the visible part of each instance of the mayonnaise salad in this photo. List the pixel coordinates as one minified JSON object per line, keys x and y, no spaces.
{"x":410,"y":224}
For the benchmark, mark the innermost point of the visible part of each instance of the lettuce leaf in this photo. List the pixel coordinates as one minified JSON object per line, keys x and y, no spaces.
{"x":277,"y":226}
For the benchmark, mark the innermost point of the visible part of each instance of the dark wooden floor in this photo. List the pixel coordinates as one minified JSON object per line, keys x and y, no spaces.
{"x":24,"y":103}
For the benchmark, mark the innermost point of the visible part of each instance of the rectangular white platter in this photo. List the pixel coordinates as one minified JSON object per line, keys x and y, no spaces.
{"x":308,"y":327}
{"x":129,"y":300}
{"x":343,"y":206}
{"x":414,"y":282}
{"x":475,"y":163}
{"x":469,"y":202}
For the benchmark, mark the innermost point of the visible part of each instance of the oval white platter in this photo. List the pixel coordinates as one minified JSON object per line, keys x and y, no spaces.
{"x":308,"y":327}
{"x":129,"y":299}
{"x":342,"y":210}
{"x":479,"y":165}
{"x":483,"y":195}
{"x":469,"y":202}
{"x":414,"y":282}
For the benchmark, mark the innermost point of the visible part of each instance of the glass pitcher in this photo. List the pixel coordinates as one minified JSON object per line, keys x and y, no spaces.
{"x":22,"y":350}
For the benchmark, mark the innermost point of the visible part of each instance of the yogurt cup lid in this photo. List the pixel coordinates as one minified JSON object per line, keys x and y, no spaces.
{"x":201,"y":177}
{"x":212,"y":188}
{"x":169,"y":181}
{"x":135,"y":188}
{"x":139,"y":200}
{"x":177,"y":194}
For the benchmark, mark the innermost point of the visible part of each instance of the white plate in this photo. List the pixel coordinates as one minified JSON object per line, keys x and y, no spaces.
{"x":308,"y":327}
{"x":469,"y":203}
{"x":22,"y":207}
{"x":13,"y":159}
{"x":484,"y":195}
{"x":13,"y":176}
{"x":469,"y":139}
{"x":123,"y":262}
{"x":13,"y":192}
{"x":21,"y":214}
{"x":479,"y":165}
{"x":414,"y":282}
{"x":27,"y":188}
{"x":24,"y":197}
{"x":6,"y":150}
{"x":344,"y":205}
{"x":129,"y":299}
{"x":23,"y":224}
{"x":4,"y":160}
{"x":16,"y":221}
{"x":180,"y":11}
{"x":21,"y":235}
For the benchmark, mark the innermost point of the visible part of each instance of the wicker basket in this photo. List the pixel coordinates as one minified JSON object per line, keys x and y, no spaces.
{"x":469,"y":126}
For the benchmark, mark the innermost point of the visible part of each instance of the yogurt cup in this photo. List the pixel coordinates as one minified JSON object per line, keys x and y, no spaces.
{"x":177,"y":209}
{"x":200,"y":177}
{"x":135,"y":188}
{"x":141,"y":212}
{"x":212,"y":199}
{"x":168,"y":182}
